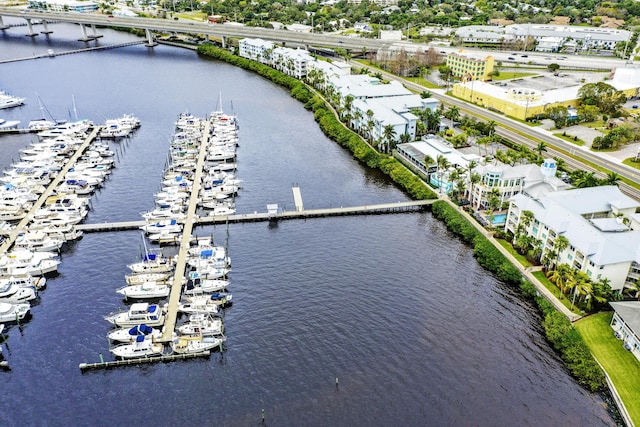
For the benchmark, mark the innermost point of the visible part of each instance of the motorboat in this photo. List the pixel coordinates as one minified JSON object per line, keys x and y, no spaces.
{"x":202,"y":325}
{"x":170,"y":226}
{"x":140,"y":348}
{"x":165,"y":238}
{"x":13,"y":312}
{"x":76,"y":186}
{"x":195,"y":345}
{"x":26,"y":281}
{"x":12,"y":293}
{"x":138,"y":279}
{"x":130,"y":334}
{"x":9,"y":101}
{"x":9,"y":124}
{"x":25,"y":262}
{"x":153,"y":263}
{"x":223,"y":299}
{"x":38,"y":241}
{"x":142,"y":312}
{"x":209,"y":272}
{"x":207,"y":306}
{"x":145,"y":290}
{"x":41,"y":124}
{"x":197,"y":286}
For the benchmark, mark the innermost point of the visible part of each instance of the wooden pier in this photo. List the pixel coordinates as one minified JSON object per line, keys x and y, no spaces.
{"x":380,"y":209}
{"x":188,"y":223}
{"x":128,"y":362}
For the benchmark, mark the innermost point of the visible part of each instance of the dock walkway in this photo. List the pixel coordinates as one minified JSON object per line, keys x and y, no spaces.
{"x":13,"y":234}
{"x":181,"y":263}
{"x":385,"y":208}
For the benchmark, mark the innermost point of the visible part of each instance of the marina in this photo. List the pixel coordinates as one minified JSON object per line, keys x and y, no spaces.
{"x":456,"y":347}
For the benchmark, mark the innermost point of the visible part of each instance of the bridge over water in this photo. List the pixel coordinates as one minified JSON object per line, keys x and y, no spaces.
{"x":156,"y":25}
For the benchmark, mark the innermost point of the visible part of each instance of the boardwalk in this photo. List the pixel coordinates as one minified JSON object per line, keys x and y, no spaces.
{"x":380,"y":209}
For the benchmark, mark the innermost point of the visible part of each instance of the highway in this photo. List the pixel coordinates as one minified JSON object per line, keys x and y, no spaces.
{"x":511,"y":129}
{"x":191,"y":27}
{"x":304,"y":39}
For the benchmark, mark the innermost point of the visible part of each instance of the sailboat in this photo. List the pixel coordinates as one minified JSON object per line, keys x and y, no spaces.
{"x":41,"y":123}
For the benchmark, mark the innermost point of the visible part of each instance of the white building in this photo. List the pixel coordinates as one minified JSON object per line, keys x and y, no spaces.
{"x":256,"y":49}
{"x":507,"y":181}
{"x":601,"y":224}
{"x":626,"y":324}
{"x":64,"y":5}
{"x":390,"y":103}
{"x":545,"y":35}
{"x":435,"y":146}
{"x":291,"y":61}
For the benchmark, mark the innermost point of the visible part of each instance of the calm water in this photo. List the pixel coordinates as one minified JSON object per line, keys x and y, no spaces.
{"x":394,"y":306}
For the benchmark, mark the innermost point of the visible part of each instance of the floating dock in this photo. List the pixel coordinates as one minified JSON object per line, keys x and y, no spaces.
{"x":128,"y":362}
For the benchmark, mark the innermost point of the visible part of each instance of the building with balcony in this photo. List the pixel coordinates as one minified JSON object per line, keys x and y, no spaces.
{"x":506,"y":181}
{"x":256,"y":49}
{"x":601,"y":224}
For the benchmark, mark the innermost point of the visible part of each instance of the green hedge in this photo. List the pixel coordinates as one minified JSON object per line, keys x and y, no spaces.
{"x":485,"y":252}
{"x":568,"y":342}
{"x":330,"y":125}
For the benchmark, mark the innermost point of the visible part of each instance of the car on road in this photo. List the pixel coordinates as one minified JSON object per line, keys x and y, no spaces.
{"x":634,"y":106}
{"x":511,"y":58}
{"x":524,"y":56}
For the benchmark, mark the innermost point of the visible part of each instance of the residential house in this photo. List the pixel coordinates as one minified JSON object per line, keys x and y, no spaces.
{"x":626,"y":324}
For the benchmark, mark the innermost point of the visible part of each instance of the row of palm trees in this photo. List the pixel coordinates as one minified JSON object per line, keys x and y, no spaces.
{"x":583,"y":292}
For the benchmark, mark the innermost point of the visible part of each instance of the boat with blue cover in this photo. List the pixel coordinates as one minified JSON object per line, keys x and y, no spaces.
{"x":131,"y":334}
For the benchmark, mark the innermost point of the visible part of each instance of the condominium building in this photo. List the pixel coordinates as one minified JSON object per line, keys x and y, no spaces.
{"x":601,"y":224}
{"x":506,"y":181}
{"x":256,"y":49}
{"x":291,"y":61}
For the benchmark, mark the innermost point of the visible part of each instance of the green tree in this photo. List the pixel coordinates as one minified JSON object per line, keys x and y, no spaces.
{"x":389,"y":134}
{"x":553,"y":67}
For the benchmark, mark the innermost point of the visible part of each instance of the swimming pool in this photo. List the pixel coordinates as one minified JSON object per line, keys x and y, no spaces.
{"x":499,"y":219}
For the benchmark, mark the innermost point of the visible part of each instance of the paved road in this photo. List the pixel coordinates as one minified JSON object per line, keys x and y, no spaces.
{"x":524,"y":134}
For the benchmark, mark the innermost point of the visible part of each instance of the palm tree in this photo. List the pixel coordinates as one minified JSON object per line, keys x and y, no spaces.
{"x":428,"y":161}
{"x":560,"y":244}
{"x":490,"y":128}
{"x":370,"y":123}
{"x":405,"y":138}
{"x":453,"y":113}
{"x":389,"y":134}
{"x":357,"y":115}
{"x":542,"y":146}
{"x":612,"y":179}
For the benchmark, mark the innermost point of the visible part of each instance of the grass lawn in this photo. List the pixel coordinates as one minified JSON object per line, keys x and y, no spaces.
{"x":508,"y":75}
{"x":423,"y":82}
{"x":630,"y":162}
{"x":555,"y":291}
{"x":521,"y":259}
{"x":598,"y":124}
{"x":570,"y":139}
{"x":623,"y":368}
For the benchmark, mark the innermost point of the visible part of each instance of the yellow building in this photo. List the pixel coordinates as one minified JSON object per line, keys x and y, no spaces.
{"x":470,"y":68}
{"x":519,"y":99}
